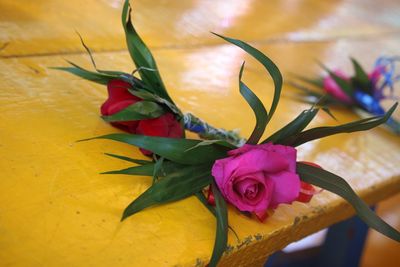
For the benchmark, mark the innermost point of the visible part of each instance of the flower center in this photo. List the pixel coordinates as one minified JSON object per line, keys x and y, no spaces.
{"x":251,"y":191}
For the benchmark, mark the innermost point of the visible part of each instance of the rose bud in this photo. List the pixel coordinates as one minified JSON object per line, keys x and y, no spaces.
{"x":119,"y":98}
{"x":332,"y":88}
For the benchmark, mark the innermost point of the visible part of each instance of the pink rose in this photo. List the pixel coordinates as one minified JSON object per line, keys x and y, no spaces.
{"x":255,"y":178}
{"x":332,"y":88}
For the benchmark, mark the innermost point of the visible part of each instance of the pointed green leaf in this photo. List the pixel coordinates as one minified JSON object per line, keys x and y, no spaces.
{"x":361,"y":79}
{"x":142,"y":170}
{"x":329,"y":112}
{"x":221,"y":239}
{"x":178,"y":185}
{"x":87,"y":75}
{"x":157,"y":168}
{"x":174,"y":149}
{"x":137,"y":161}
{"x":356,"y":126}
{"x":167,"y":168}
{"x":142,"y":56}
{"x":339,"y":186}
{"x":258,"y":109}
{"x":211,"y":142}
{"x":204,"y":201}
{"x":269,"y":66}
{"x":292,"y":128}
{"x":137,"y":111}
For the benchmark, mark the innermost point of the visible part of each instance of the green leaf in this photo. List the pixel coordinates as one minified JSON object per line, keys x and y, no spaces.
{"x":176,"y":186}
{"x":142,"y":56}
{"x":157,"y":168}
{"x":174,"y":149}
{"x":269,"y":66}
{"x":96,"y":77}
{"x":137,"y":111}
{"x":137,"y":161}
{"x":211,"y":142}
{"x":292,"y":128}
{"x":356,"y":126}
{"x":221,"y":239}
{"x":167,"y":168}
{"x":258,"y":109}
{"x":343,"y":84}
{"x":339,"y":186}
{"x":143,"y":170}
{"x":204,"y":201}
{"x":328,"y":111}
{"x":152,"y":97}
{"x":360,"y":79}
{"x":211,"y":208}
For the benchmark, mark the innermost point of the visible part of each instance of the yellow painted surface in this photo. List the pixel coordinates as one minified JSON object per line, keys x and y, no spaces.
{"x":48,"y":27}
{"x":56,"y":210}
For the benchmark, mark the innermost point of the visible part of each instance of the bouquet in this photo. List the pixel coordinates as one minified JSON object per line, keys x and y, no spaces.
{"x":362,"y":92}
{"x":255,"y":176}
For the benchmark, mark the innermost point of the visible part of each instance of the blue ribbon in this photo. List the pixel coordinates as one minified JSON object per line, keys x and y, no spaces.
{"x":368,"y":103}
{"x":387,"y":66}
{"x":196,"y":128}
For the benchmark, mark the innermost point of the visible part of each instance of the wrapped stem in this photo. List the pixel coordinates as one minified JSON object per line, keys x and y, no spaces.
{"x":208,"y":132}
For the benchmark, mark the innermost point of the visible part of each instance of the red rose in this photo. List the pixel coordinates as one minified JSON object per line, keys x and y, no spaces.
{"x":165,"y":126}
{"x":307,"y":191}
{"x":119,"y":98}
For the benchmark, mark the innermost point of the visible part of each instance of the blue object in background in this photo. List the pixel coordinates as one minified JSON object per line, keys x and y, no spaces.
{"x":343,"y":247}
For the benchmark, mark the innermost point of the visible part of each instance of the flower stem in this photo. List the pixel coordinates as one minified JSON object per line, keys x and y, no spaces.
{"x":208,"y":132}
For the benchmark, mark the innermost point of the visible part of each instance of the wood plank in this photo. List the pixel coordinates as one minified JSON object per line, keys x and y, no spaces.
{"x":57,"y":210}
{"x":48,"y":27}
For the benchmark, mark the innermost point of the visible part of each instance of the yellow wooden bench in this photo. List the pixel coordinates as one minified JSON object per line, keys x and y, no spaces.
{"x":57,"y":210}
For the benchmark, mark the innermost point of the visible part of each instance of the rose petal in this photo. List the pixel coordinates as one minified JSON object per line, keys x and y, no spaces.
{"x":266,"y":188}
{"x":118,"y":91}
{"x":287,"y":188}
{"x":288,"y":152}
{"x":307,"y":191}
{"x":257,"y":160}
{"x":243,"y":149}
{"x":332,"y":88}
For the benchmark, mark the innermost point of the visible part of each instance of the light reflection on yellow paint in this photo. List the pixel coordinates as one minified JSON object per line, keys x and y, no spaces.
{"x":206,"y":15}
{"x":215,"y":65}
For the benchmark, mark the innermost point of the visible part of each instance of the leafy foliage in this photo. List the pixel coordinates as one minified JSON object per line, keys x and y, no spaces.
{"x":360,"y":79}
{"x":174,"y":149}
{"x":142,"y":56}
{"x":292,"y":128}
{"x":137,"y":111}
{"x":258,"y":109}
{"x":269,"y":66}
{"x":221,"y":236}
{"x":178,"y":185}
{"x":339,"y":186}
{"x":356,"y":126}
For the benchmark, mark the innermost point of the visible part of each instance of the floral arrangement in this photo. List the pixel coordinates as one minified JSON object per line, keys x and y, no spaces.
{"x":362,"y":92}
{"x":252,"y":175}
